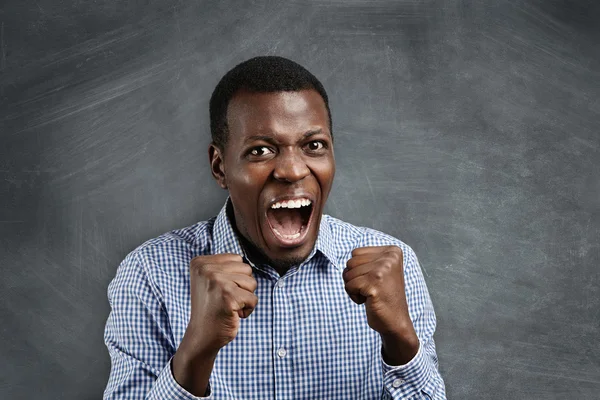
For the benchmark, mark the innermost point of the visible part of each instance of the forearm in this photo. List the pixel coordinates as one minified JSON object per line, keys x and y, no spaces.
{"x":419,"y":375}
{"x":418,"y":379}
{"x":192,"y":370}
{"x":139,"y":369}
{"x":400,"y":348}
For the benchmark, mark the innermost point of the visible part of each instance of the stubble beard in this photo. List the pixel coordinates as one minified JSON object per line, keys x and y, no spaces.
{"x":256,"y":254}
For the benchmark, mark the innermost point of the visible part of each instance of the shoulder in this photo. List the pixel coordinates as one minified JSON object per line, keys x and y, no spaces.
{"x":163,"y":257}
{"x":178,"y":243}
{"x":354,"y":236}
{"x":367,"y":237}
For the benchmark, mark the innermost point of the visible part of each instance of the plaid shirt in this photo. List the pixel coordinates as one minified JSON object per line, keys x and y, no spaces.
{"x":306,"y":339}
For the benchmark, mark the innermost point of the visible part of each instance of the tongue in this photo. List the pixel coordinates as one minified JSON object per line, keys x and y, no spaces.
{"x":286,"y":221}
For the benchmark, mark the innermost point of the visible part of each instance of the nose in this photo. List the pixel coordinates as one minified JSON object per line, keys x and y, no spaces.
{"x":291,"y":167}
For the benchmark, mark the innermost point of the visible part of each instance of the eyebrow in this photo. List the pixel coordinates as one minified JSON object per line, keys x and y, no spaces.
{"x":271,"y":139}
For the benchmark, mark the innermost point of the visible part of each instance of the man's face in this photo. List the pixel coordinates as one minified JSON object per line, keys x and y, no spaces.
{"x":278,"y":166}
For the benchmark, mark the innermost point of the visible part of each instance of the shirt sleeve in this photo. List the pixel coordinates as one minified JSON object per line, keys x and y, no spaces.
{"x":138,"y":339}
{"x":420,"y":377}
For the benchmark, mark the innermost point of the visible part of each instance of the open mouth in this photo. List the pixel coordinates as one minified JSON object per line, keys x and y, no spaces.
{"x":289,"y":220}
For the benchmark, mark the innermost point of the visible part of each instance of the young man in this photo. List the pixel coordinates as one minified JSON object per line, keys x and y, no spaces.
{"x":271,"y":298}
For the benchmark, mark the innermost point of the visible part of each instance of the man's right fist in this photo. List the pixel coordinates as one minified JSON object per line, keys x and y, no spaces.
{"x":222,"y":291}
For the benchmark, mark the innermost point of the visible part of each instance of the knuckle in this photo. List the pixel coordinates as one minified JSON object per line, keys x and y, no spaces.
{"x":209,"y":274}
{"x":393,"y":255}
{"x":253,"y":300}
{"x":348,"y":286}
{"x":232,"y":304}
{"x":349,"y":265}
{"x":228,"y":287}
{"x":345,"y":274}
{"x":396,"y":252}
{"x":214,"y":283}
{"x":230,"y":301}
{"x":389,"y":263}
{"x":253,"y":284}
{"x":351,"y":286}
{"x":372,"y":291}
{"x":197,"y":263}
{"x":378,"y":274}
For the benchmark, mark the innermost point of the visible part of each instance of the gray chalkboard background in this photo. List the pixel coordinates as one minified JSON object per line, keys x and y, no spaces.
{"x":468,"y":129}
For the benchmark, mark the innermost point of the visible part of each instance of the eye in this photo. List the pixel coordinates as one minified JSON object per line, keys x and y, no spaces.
{"x":259,"y":151}
{"x":315,"y":145}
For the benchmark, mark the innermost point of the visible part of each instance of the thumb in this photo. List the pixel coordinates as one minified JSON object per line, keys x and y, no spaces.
{"x":357,"y":298}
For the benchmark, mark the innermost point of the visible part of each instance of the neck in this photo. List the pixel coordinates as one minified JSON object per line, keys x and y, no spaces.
{"x":252,"y":252}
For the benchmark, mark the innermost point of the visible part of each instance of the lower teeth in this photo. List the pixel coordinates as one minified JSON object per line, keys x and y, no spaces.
{"x":294,"y":236}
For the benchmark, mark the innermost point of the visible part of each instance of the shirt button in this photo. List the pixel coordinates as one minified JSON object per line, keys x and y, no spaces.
{"x":281,"y":352}
{"x":280,"y":283}
{"x":397,"y":383}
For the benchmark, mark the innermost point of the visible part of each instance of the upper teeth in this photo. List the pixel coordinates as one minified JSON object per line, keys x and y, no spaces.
{"x":292,"y":203}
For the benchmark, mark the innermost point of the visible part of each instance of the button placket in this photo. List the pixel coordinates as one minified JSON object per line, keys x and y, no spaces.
{"x":282,"y":317}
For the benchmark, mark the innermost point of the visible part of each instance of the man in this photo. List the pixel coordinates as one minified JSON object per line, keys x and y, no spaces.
{"x":271,"y":298}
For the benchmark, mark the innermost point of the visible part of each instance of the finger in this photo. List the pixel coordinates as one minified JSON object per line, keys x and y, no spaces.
{"x":355,"y":272}
{"x":394,"y":253}
{"x":367,"y":250}
{"x":358,"y":260}
{"x":244,"y":281}
{"x":244,"y":302}
{"x":360,"y":287}
{"x":357,"y":298}
{"x":230,"y":268}
{"x":225,"y":257}
{"x":218,"y":258}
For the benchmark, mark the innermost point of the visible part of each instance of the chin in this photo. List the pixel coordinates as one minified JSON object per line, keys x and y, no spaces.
{"x":286,"y":263}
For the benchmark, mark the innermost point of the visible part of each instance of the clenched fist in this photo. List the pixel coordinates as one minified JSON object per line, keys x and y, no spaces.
{"x":375,"y":276}
{"x":222,"y":291}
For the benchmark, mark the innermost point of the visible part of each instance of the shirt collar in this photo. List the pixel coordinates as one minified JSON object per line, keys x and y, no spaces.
{"x":225,"y":239}
{"x":325,"y":242}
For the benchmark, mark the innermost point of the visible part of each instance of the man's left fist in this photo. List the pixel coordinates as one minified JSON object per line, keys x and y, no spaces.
{"x":375,"y":276}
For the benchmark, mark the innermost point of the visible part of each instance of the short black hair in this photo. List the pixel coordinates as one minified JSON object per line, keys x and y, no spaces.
{"x":263,"y":74}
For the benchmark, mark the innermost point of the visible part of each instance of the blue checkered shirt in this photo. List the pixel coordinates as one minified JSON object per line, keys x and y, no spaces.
{"x":306,"y":339}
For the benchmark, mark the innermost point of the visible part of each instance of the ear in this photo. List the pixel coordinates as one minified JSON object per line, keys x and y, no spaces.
{"x":217,"y":165}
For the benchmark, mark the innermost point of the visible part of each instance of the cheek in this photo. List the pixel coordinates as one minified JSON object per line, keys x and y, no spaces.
{"x":246,"y":187}
{"x":324,"y":172}
{"x":251,"y":178}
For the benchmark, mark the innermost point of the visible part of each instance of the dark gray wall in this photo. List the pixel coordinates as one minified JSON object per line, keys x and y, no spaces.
{"x":468,"y":129}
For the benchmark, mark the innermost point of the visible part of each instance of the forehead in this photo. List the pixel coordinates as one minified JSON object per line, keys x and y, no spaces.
{"x":276,"y":112}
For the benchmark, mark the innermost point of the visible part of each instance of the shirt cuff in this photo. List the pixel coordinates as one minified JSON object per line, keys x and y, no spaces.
{"x":166,"y":387}
{"x":404,"y":381}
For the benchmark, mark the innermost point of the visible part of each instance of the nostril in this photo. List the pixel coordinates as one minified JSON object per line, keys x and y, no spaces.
{"x":291,"y":171}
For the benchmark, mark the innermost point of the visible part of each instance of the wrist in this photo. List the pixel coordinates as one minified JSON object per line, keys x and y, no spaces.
{"x":194,"y":347}
{"x":399,"y":349}
{"x":192,"y":367}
